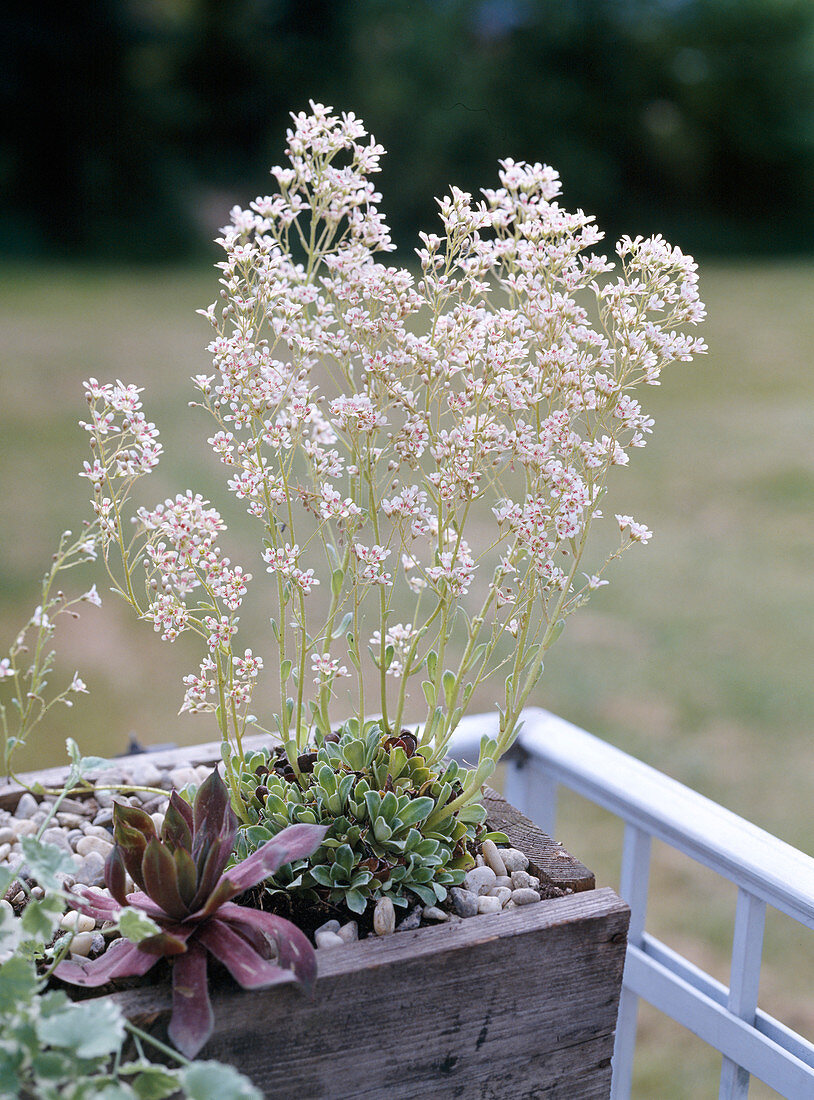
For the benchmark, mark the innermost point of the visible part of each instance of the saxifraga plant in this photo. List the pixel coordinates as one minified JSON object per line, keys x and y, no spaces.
{"x":426,"y":455}
{"x":183,"y":889}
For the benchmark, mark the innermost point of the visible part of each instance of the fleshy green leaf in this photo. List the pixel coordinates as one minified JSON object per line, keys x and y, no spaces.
{"x":40,"y":918}
{"x":151,"y":1082}
{"x":18,"y":981}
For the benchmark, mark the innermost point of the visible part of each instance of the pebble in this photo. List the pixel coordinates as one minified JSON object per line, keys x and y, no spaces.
{"x":487,"y":904}
{"x":6,"y":906}
{"x":464,"y":902}
{"x":90,"y":869}
{"x":328,"y":939}
{"x":509,"y":905}
{"x":104,"y":799}
{"x":75,"y":921}
{"x":525,"y":896}
{"x":384,"y":917}
{"x":479,"y":860}
{"x":503,"y":880}
{"x":503,"y":893}
{"x":57,"y":837}
{"x":104,"y":817}
{"x":492,"y":857}
{"x":27,"y":806}
{"x":433,"y":913}
{"x":480,"y":880}
{"x":328,"y":926}
{"x":179,"y":777}
{"x":513,"y":860}
{"x":158,"y":821}
{"x":24,"y":827}
{"x":411,"y":921}
{"x":82,"y":943}
{"x":70,"y":820}
{"x":87,"y":844}
{"x":7,"y":835}
{"x":520,"y":879}
{"x":4,"y":851}
{"x":97,"y":830}
{"x":349,"y":932}
{"x":73,"y":835}
{"x":37,"y":893}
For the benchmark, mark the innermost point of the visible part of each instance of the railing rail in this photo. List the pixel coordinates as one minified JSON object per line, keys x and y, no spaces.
{"x":550,"y":751}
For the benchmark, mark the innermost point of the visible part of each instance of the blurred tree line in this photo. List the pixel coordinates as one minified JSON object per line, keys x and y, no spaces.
{"x":131,"y":126}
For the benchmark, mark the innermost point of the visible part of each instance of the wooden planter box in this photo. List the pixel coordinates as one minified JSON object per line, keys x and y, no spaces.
{"x":521,"y":1004}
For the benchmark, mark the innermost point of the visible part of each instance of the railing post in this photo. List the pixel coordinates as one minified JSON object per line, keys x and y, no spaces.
{"x":747,"y":949}
{"x":633,"y":887}
{"x":532,"y":790}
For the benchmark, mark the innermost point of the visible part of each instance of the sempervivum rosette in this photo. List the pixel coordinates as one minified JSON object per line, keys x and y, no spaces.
{"x":181,"y":885}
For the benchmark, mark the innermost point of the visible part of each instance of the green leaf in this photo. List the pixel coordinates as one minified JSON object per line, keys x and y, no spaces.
{"x":285,"y":670}
{"x":449,"y":686}
{"x":18,"y":981}
{"x":92,"y":1029}
{"x":337,"y":579}
{"x":40,"y":918}
{"x":213,"y":1081}
{"x":418,"y":810}
{"x":497,"y":837}
{"x":432,"y":662}
{"x":45,"y":860}
{"x":85,"y":764}
{"x":429,"y":692}
{"x":137,"y":926}
{"x":153,"y":1082}
{"x":6,"y":878}
{"x":343,"y":626}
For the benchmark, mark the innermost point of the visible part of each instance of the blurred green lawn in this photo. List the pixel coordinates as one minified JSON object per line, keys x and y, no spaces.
{"x":697,"y":657}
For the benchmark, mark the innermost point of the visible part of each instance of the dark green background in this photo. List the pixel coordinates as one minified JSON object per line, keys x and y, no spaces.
{"x":129,"y":126}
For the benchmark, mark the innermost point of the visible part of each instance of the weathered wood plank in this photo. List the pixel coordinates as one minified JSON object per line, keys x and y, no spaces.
{"x":551,"y":862}
{"x":521,"y":1004}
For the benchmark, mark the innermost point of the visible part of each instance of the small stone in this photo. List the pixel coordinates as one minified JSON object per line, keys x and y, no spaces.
{"x":328,"y":926}
{"x":384,"y":917}
{"x":24,"y":827}
{"x":157,"y":804}
{"x":480,"y":880}
{"x":71,"y":821}
{"x":7,"y":835}
{"x":509,"y":905}
{"x":411,"y":921}
{"x":89,"y":844}
{"x":479,"y":860}
{"x":57,"y":837}
{"x":513,"y":860}
{"x":158,"y":821}
{"x":82,"y":943}
{"x":73,"y":835}
{"x":464,"y":902}
{"x":37,"y":893}
{"x":179,"y":777}
{"x":492,"y":857}
{"x":97,"y":830}
{"x":487,"y":904}
{"x":27,"y":806}
{"x":525,"y":896}
{"x":104,"y":817}
{"x":503,"y":880}
{"x":90,"y":870}
{"x":433,"y":913}
{"x":349,"y":932}
{"x":18,"y":898}
{"x":73,"y":921}
{"x":97,"y":945}
{"x":4,"y":851}
{"x":503,"y":893}
{"x":328,"y":939}
{"x":6,"y":906}
{"x":520,"y":880}
{"x":534,"y":882}
{"x":104,"y":799}
{"x":453,"y":918}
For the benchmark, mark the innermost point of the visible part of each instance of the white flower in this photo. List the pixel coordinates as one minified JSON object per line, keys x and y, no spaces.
{"x":78,"y":684}
{"x":92,"y":596}
{"x":6,"y":670}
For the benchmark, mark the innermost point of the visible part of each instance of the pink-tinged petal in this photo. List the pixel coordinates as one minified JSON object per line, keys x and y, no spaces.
{"x":294,"y":842}
{"x":294,"y":950}
{"x":121,"y":960}
{"x":98,"y":906}
{"x":241,"y":960}
{"x":192,"y":1017}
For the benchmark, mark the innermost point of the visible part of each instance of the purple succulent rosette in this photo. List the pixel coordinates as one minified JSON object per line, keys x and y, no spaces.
{"x":181,"y":886}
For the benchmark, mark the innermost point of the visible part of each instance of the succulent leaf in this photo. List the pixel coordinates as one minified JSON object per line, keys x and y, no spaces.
{"x":192,"y":1017}
{"x":158,"y":872}
{"x":176,"y":832}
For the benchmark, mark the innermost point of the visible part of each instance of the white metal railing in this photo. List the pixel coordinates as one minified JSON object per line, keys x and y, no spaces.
{"x":550,"y":751}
